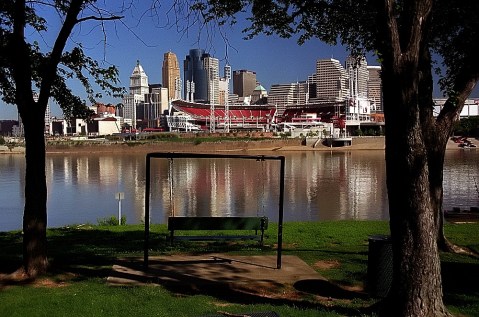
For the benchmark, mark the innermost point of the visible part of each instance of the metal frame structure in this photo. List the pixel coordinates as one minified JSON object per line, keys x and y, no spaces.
{"x":151,"y":156}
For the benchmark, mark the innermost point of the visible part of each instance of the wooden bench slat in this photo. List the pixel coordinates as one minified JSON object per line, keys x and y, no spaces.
{"x":222,"y":237}
{"x":217,"y":223}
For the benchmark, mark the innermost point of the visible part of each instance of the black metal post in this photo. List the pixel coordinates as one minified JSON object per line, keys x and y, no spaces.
{"x":280,"y":211}
{"x":147,"y":213}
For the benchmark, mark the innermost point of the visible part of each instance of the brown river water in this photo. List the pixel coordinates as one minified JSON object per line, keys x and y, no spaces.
{"x":319,"y":185}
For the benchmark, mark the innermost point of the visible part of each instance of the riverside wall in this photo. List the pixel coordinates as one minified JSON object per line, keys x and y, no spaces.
{"x":264,"y":145}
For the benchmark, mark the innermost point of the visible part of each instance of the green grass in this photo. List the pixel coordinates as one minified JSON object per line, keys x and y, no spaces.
{"x":82,"y":257}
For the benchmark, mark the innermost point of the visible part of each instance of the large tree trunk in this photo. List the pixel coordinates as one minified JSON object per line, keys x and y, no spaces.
{"x":415,"y":149}
{"x":35,"y":259}
{"x":414,"y":195}
{"x":33,"y":117}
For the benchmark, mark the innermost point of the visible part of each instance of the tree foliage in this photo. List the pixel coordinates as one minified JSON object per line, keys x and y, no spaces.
{"x":451,"y":37}
{"x":72,"y":64}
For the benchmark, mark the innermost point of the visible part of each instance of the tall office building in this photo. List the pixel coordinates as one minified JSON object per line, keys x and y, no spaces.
{"x":331,"y":80}
{"x":133,"y":102}
{"x":284,"y":95}
{"x":195,"y":84}
{"x":224,"y":86}
{"x":156,"y":104}
{"x":138,"y":81}
{"x":223,"y":91}
{"x":244,"y":82}
{"x":375,"y":87}
{"x":212,"y":67}
{"x":201,"y":77}
{"x":358,"y":74}
{"x":132,"y":105}
{"x":171,"y":75}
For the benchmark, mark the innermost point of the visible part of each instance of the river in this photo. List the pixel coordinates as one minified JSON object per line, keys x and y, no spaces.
{"x":82,"y":188}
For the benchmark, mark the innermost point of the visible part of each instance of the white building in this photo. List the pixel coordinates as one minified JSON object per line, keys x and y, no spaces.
{"x":284,"y":95}
{"x":331,"y":81}
{"x":131,"y":104}
{"x":471,"y":107}
{"x":138,"y":81}
{"x":358,"y":76}
{"x":211,"y":65}
{"x":104,"y":126}
{"x":136,"y":97}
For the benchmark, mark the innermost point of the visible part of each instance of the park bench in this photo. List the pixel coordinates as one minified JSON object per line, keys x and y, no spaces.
{"x":255,"y":225}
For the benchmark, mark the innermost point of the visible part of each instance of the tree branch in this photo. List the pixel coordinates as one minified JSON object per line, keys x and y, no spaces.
{"x":22,"y":63}
{"x":50,"y":68}
{"x":114,"y":17}
{"x":454,"y":104}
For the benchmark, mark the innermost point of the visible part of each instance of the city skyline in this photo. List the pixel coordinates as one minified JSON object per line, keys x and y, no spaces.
{"x":148,"y":38}
{"x":273,"y":59}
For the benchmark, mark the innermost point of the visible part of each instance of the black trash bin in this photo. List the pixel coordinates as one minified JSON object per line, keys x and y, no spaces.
{"x":380,"y":265}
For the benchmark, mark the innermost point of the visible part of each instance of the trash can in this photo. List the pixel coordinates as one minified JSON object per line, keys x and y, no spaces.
{"x":380,"y":265}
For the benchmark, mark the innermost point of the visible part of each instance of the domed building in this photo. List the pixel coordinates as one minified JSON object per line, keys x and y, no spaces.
{"x":259,"y":95}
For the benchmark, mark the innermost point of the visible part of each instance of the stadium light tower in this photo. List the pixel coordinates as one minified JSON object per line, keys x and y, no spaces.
{"x":227,"y":71}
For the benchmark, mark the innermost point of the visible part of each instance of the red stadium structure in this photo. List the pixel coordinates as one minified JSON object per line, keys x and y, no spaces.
{"x":199,"y":116}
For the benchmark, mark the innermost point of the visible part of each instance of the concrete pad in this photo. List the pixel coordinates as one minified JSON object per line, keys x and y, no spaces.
{"x":241,"y":273}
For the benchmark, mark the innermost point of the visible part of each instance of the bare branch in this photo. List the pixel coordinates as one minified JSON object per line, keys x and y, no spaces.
{"x":114,"y":17}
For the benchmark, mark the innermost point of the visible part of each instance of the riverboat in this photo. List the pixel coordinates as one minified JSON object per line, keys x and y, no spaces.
{"x":463,"y":142}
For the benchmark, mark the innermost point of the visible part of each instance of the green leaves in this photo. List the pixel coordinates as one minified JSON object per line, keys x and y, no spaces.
{"x":74,"y":65}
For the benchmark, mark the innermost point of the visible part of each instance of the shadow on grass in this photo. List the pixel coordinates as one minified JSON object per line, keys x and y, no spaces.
{"x":75,"y":248}
{"x":84,"y":253}
{"x":460,"y":283}
{"x":179,"y":277}
{"x":327,"y":289}
{"x":90,"y":253}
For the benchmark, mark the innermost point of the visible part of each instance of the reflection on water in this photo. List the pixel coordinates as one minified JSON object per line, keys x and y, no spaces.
{"x":461,"y":177}
{"x":318,"y":186}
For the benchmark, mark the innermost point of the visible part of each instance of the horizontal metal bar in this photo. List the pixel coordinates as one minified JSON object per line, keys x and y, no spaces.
{"x":211,"y":155}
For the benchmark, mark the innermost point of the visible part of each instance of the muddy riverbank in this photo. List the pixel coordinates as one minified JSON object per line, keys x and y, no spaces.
{"x":266,"y":145}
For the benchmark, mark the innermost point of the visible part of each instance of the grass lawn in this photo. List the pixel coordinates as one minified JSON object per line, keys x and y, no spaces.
{"x":82,"y":258}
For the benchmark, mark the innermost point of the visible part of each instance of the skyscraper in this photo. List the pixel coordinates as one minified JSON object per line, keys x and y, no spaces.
{"x":375,"y":87}
{"x":171,"y":74}
{"x":156,"y":104}
{"x":212,"y":67}
{"x":244,"y":82}
{"x":331,"y":80}
{"x":284,"y":95}
{"x":203,"y":71}
{"x":133,"y":102}
{"x":358,"y":74}
{"x":138,"y":81}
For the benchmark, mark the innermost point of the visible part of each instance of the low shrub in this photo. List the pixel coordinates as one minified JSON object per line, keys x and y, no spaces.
{"x":111,"y":221}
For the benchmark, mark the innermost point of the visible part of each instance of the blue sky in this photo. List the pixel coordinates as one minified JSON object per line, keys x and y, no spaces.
{"x":274,"y":60}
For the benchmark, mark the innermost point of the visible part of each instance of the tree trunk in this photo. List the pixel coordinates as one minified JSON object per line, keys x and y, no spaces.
{"x":35,"y":259}
{"x":413,"y":197}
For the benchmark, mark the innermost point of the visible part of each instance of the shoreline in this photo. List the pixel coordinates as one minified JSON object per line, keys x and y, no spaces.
{"x":265,"y":145}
